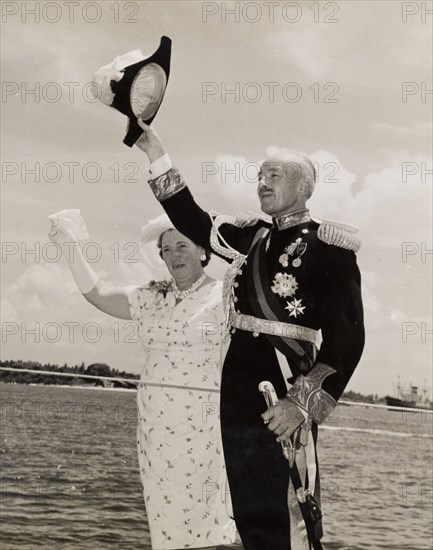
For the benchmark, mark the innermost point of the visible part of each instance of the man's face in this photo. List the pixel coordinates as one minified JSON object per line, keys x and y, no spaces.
{"x":281,"y":187}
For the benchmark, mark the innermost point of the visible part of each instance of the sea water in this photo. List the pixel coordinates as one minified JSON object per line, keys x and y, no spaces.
{"x":70,"y":479}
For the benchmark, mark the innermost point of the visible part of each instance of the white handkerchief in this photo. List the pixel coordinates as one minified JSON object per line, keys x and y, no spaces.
{"x":72,"y":220}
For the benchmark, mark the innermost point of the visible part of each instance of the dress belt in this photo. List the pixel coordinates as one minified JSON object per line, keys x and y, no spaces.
{"x":275,"y":328}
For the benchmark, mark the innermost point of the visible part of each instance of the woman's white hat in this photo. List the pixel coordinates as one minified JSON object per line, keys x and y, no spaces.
{"x":150,"y":234}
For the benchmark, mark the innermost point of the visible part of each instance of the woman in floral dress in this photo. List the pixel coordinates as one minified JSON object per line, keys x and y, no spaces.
{"x":178,"y":434}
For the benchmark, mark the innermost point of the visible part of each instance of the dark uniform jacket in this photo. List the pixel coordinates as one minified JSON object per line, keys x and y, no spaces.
{"x":308,"y":271}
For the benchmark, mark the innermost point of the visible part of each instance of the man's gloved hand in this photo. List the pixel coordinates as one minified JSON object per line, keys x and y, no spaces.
{"x":283,"y":419}
{"x":150,"y":142}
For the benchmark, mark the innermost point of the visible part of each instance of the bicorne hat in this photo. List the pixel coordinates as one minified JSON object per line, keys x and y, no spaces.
{"x":135,"y":85}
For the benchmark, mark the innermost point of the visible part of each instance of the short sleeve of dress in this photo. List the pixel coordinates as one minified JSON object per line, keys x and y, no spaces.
{"x":138,"y":298}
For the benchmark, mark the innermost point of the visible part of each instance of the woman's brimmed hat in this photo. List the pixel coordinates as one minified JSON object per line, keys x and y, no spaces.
{"x":135,"y":85}
{"x":150,"y":234}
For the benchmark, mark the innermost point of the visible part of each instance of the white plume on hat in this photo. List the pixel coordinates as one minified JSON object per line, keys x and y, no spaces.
{"x":113,"y":71}
{"x":148,"y":242}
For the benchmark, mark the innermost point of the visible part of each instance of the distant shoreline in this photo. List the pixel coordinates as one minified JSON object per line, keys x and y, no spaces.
{"x":120,"y":388}
{"x":70,"y":386}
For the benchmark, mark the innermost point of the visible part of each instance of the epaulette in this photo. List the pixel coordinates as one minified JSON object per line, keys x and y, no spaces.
{"x":338,"y":234}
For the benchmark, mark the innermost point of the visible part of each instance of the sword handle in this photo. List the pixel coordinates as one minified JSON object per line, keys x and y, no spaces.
{"x":271,"y":398}
{"x":269,"y":393}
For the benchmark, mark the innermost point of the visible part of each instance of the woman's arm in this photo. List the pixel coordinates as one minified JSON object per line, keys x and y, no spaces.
{"x":113,"y":301}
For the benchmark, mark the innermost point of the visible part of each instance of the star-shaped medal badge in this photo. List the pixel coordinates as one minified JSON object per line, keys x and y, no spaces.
{"x":295,"y":308}
{"x":284,"y":285}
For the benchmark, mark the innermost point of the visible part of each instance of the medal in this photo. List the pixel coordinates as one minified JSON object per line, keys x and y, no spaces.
{"x":284,"y":285}
{"x":284,"y":260}
{"x":295,"y":308}
{"x":298,"y":248}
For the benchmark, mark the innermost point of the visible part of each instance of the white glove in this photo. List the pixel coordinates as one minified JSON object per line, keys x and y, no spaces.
{"x":67,"y":226}
{"x":68,"y":223}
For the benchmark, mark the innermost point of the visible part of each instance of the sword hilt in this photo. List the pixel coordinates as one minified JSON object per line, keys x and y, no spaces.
{"x":269,"y":393}
{"x":271,"y":398}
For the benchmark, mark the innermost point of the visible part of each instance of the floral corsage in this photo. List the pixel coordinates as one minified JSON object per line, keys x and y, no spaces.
{"x":161,"y":287}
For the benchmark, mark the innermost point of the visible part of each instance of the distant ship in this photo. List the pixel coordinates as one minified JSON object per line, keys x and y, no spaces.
{"x":411,"y":399}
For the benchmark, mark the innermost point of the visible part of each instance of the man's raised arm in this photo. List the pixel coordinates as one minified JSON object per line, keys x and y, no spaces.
{"x":170,"y":190}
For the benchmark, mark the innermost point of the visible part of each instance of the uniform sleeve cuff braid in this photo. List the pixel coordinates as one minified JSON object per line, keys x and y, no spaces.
{"x":167,"y":185}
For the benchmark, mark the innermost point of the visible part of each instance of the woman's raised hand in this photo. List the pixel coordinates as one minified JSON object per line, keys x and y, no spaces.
{"x":60,"y":235}
{"x":67,"y":226}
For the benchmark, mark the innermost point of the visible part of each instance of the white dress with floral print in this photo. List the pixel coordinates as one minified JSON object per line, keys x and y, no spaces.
{"x":178,"y":434}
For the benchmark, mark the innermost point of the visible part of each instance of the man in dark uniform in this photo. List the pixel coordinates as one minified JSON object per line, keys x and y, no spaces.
{"x":292,"y":293}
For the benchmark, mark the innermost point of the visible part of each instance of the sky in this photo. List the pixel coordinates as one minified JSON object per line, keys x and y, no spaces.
{"x":348,"y":83}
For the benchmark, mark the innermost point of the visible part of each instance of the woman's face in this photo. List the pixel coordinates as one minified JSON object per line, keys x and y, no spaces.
{"x":181,"y":256}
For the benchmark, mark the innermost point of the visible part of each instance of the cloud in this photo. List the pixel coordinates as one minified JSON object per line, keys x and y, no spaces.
{"x":333,"y":194}
{"x":400,"y":131}
{"x":8,"y":310}
{"x":381,"y":205}
{"x":45,"y":318}
{"x":123,"y":273}
{"x":331,"y":42}
{"x":380,"y":316}
{"x":384,"y":207}
{"x":394,"y":209}
{"x":42,"y":285}
{"x":365,"y":130}
{"x":387,"y":210}
{"x":234,"y":180}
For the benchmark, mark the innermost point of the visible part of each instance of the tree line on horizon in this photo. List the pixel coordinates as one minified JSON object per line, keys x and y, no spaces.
{"x":95,"y":369}
{"x":99,"y":369}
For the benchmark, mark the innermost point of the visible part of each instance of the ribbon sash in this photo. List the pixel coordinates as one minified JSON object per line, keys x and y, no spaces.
{"x":301,"y":355}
